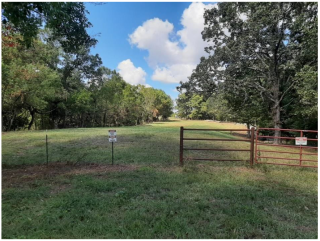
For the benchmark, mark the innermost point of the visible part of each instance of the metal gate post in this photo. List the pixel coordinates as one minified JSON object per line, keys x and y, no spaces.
{"x":252,"y":146}
{"x":300,"y":163}
{"x":181,"y":145}
{"x":256,"y":149}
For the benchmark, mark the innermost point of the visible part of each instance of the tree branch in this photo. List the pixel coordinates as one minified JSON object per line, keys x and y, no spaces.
{"x":258,"y":86}
{"x":292,"y":84}
{"x":287,"y":104}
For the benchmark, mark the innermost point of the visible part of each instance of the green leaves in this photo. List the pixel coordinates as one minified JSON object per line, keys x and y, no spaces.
{"x":66,"y":20}
{"x":51,"y":80}
{"x":257,"y":53}
{"x":307,"y":91}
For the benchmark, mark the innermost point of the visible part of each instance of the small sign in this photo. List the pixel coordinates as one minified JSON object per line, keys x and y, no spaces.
{"x":112,"y":136}
{"x":301,"y":141}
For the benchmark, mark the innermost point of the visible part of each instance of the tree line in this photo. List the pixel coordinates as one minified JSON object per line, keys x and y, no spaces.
{"x":261,"y":67}
{"x":50,"y":79}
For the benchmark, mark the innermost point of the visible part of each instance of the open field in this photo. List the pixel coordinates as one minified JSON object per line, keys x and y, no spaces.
{"x":146,"y":194}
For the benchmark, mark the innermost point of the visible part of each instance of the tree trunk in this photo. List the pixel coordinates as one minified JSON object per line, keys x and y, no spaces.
{"x":276,"y":123}
{"x":249,"y":131}
{"x":82,"y":120}
{"x":56,"y":123}
{"x":276,"y":108}
{"x":11,"y":120}
{"x":93,"y":119}
{"x":32,"y":113}
{"x":42,"y":122}
{"x":64,"y":119}
{"x":71,"y":121}
{"x":104,"y":118}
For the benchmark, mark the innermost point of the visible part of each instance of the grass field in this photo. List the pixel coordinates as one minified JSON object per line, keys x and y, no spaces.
{"x":146,"y":194}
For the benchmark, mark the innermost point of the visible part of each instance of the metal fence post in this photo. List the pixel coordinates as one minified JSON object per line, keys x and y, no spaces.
{"x":252,"y":146}
{"x":112,"y":153}
{"x":256,"y":149}
{"x":47,"y":150}
{"x":300,"y":162}
{"x":181,"y":145}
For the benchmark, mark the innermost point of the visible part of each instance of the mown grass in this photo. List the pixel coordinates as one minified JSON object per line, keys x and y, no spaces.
{"x":155,"y":197}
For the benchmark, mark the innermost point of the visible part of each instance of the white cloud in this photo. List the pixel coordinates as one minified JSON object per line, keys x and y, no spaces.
{"x":173,"y":60}
{"x":173,"y":73}
{"x":131,"y":74}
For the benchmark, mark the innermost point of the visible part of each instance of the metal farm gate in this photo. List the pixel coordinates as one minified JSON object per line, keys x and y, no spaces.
{"x":294,"y":145}
{"x":288,"y":144}
{"x":182,"y":139}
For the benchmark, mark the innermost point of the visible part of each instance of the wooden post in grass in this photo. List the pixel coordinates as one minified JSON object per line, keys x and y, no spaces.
{"x":252,"y":146}
{"x":181,"y":145}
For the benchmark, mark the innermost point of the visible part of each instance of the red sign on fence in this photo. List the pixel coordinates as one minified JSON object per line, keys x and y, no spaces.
{"x":301,"y":141}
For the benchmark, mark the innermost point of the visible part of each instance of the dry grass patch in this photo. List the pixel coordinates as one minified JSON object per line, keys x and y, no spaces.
{"x":23,"y":175}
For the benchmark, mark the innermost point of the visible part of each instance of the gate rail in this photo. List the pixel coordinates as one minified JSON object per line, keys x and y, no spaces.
{"x":182,"y":129}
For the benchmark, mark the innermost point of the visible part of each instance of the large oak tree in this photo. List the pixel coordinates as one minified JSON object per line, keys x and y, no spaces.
{"x":257,"y":47}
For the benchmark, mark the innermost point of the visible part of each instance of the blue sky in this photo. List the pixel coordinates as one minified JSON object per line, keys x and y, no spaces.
{"x":155,"y":44}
